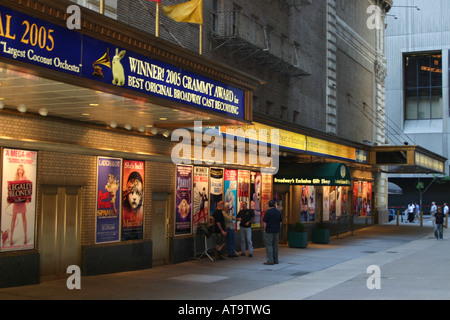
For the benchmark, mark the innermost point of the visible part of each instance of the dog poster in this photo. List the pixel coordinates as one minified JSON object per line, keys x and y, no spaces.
{"x":133,"y":200}
{"x":18,"y":213}
{"x":183,"y":200}
{"x":109,"y":177}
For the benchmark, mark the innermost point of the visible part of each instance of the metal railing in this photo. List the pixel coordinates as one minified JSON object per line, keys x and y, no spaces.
{"x":235,"y":25}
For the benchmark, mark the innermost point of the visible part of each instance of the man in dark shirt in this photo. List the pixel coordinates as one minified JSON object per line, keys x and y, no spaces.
{"x":221,"y":233}
{"x":438,"y":224}
{"x":246,"y":218}
{"x":272,"y":226}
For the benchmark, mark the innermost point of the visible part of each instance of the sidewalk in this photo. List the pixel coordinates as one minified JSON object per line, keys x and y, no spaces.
{"x":412,"y":264}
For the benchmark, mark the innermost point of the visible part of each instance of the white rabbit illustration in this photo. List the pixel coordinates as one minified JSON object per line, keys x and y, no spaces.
{"x":117,"y":68}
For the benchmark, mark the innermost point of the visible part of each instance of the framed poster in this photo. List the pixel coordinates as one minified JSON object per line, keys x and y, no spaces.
{"x":109,"y":177}
{"x":255,"y":197}
{"x":216,"y":188}
{"x":133,"y":200}
{"x":266,"y":193}
{"x":200,"y":196}
{"x":230,"y":191}
{"x":18,"y":214}
{"x":183,"y":217}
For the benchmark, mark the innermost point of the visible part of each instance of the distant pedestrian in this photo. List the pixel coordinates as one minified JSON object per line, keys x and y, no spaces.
{"x":272,"y":226}
{"x":410,"y":211}
{"x":433,"y":211}
{"x":439,"y":224}
{"x":246,"y":218}
{"x":417,"y":211}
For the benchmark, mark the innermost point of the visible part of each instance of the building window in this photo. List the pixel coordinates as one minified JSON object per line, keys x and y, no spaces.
{"x":283,"y":113}
{"x":423,"y":86}
{"x":110,"y":6}
{"x":269,"y":107}
{"x":296,"y":117}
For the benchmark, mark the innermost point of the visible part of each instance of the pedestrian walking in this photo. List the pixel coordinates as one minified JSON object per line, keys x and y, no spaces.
{"x":439,"y":224}
{"x":220,"y":230}
{"x":246,"y":217}
{"x":417,"y":212}
{"x":272,"y":226}
{"x":410,"y":209}
{"x":433,"y":211}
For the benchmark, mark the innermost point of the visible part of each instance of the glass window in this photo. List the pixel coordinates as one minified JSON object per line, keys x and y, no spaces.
{"x":423,"y":86}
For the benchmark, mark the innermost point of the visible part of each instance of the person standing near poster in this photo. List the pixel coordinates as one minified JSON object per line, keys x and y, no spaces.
{"x":272,"y":226}
{"x":220,"y":229}
{"x":246,"y":217}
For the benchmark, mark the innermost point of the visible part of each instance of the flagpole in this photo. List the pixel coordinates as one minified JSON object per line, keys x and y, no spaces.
{"x":200,"y":39}
{"x":157,"y":20}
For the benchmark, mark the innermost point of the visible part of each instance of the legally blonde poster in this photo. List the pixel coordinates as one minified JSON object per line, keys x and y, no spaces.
{"x":133,"y":200}
{"x":18,"y":212}
{"x":109,"y":177}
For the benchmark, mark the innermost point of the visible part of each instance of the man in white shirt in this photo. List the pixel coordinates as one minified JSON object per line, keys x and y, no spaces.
{"x":433,"y":211}
{"x":410,"y":209}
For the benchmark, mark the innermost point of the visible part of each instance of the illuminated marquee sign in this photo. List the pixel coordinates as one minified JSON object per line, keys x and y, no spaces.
{"x":27,"y":39}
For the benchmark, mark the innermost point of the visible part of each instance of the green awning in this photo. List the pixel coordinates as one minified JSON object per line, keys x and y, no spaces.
{"x":322,"y":174}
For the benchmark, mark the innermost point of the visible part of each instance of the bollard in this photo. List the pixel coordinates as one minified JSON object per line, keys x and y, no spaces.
{"x":421,"y":218}
{"x":397,"y":217}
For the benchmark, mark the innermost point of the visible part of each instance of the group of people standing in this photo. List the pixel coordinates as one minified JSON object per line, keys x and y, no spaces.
{"x":412,"y":212}
{"x":224,"y":230}
{"x":437,"y":216}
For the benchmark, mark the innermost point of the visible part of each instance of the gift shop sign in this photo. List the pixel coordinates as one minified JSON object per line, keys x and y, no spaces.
{"x":27,"y":39}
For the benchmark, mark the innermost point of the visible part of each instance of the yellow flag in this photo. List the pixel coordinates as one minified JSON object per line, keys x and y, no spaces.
{"x":191,"y":11}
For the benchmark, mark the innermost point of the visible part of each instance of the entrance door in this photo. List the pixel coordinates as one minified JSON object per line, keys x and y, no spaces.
{"x":160,"y":224}
{"x":60,"y":234}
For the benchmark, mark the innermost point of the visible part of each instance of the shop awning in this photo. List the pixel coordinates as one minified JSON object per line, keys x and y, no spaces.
{"x":322,"y":174}
{"x":406,"y":159}
{"x":394,"y":189}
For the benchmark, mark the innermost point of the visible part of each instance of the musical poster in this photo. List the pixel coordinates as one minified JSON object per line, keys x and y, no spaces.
{"x":216,"y":188}
{"x":200,"y":196}
{"x":18,"y":213}
{"x":183,"y":200}
{"x":133,"y":200}
{"x":109,"y":177}
{"x":266,"y":193}
{"x":230,"y":191}
{"x":255,"y":197}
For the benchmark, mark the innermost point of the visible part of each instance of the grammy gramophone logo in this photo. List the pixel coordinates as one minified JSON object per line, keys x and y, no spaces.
{"x":103,"y":60}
